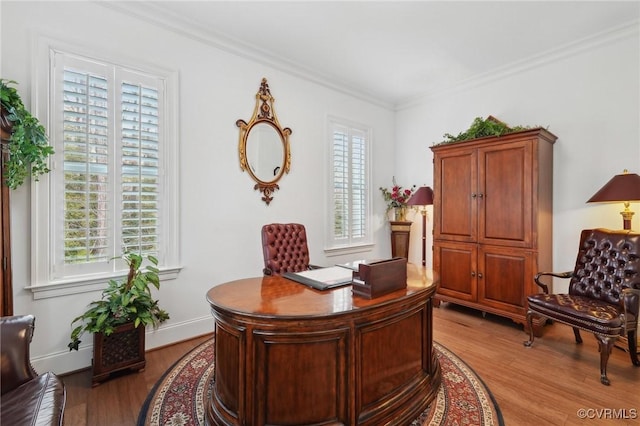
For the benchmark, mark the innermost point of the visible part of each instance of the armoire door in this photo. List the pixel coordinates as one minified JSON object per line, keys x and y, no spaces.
{"x":456,"y":176}
{"x":505,"y":276}
{"x":505,"y":194}
{"x":457,"y":267}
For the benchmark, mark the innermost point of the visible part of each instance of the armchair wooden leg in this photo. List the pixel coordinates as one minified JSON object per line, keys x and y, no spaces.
{"x":576,"y":332}
{"x":605,"y":344}
{"x":529,"y":342}
{"x":632,"y":338}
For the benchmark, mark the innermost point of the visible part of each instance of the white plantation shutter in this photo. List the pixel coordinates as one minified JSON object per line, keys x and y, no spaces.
{"x":358,"y":185}
{"x":349,"y":193}
{"x":140,"y":183}
{"x":86,"y":167}
{"x":110,"y":191}
{"x":340,"y":184}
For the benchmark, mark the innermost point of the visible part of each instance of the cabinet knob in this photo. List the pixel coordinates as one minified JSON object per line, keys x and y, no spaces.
{"x":480,"y":195}
{"x":473,"y":274}
{"x":473,"y":195}
{"x":479,"y":274}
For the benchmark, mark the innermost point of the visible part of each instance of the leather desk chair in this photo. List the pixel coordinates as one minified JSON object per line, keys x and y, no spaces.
{"x":28,"y":398}
{"x":604,"y":293}
{"x":285,"y":248}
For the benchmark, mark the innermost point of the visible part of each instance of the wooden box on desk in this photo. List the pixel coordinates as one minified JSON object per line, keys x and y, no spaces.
{"x":380,"y":277}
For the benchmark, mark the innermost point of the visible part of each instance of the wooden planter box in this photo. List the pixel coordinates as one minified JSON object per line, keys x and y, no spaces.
{"x":122,"y":350}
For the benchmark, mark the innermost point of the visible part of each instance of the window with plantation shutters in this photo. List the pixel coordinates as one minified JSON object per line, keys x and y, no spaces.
{"x":114,"y":172}
{"x":349,"y":189}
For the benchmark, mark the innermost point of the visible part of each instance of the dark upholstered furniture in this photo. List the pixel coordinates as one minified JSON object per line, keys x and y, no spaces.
{"x":604,"y":293}
{"x":285,"y":248}
{"x":27,"y":398}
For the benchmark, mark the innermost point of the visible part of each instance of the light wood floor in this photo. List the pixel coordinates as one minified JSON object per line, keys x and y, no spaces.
{"x":546,"y":384}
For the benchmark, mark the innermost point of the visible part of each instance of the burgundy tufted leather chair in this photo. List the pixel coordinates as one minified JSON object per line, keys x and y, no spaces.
{"x":285,"y":248}
{"x":604,"y":293}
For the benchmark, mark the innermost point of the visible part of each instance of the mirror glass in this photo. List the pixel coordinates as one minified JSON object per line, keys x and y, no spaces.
{"x":263,"y":146}
{"x":265,"y":151}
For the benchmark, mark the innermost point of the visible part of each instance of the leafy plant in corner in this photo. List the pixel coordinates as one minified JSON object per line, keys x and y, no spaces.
{"x":481,"y":128}
{"x":28,"y":144}
{"x":122,"y":302}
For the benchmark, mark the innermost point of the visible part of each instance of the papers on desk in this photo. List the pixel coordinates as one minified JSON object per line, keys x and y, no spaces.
{"x":355,"y":265}
{"x":322,"y":278}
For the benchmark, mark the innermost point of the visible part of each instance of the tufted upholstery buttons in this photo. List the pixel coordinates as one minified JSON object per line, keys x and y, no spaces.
{"x":612,"y":259}
{"x":285,"y":248}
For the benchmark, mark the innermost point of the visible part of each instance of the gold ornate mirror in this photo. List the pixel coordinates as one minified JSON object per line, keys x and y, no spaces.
{"x":264,"y":145}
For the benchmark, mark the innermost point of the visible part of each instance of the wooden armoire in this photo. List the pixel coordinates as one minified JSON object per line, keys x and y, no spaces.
{"x":6,"y":285}
{"x":493,"y":220}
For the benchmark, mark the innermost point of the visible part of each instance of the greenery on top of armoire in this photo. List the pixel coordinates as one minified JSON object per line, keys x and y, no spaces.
{"x":28,"y":143}
{"x":481,"y":128}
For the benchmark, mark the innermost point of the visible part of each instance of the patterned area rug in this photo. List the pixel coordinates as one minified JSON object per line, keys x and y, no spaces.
{"x":178,"y":398}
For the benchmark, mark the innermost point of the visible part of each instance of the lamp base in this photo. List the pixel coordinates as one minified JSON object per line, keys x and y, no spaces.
{"x":627,"y":215}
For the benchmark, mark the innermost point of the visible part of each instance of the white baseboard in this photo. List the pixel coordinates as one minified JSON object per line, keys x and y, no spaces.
{"x":68,"y":361}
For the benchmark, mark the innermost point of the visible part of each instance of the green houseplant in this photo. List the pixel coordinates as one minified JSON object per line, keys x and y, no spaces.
{"x":28,"y":144}
{"x":481,"y":128}
{"x":123,"y":302}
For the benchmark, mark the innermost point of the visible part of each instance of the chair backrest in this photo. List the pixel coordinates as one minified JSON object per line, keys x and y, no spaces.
{"x":285,"y":248}
{"x":16,"y":333}
{"x":608,"y":261}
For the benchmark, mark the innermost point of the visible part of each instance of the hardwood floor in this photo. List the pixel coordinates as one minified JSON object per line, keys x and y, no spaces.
{"x":546,"y":384}
{"x":118,"y":400}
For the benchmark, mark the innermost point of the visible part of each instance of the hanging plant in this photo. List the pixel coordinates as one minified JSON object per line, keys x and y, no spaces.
{"x":28,"y":144}
{"x":481,"y":128}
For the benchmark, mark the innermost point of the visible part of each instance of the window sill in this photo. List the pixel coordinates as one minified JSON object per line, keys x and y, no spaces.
{"x":66,"y":288}
{"x":339,"y":251}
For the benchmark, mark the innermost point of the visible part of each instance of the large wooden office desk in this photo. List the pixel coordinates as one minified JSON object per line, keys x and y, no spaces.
{"x":286,"y":354}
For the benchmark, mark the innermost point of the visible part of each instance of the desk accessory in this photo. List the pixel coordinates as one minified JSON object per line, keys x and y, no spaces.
{"x":378,"y":278}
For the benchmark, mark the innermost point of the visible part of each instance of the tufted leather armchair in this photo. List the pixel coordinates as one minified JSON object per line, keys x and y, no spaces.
{"x":604,"y":293}
{"x":285,"y":248}
{"x":27,"y":397}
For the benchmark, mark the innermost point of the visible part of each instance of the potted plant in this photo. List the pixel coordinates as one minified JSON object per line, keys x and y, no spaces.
{"x":115,"y":320}
{"x":28,"y":146}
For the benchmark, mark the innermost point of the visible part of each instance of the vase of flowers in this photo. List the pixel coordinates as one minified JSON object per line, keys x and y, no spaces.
{"x":396,"y":199}
{"x":400,"y":214}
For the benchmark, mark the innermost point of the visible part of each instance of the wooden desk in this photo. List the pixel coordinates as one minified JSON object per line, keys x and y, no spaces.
{"x":286,"y":354}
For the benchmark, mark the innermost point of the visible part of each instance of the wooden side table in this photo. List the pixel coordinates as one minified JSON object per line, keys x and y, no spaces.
{"x":400,"y":239}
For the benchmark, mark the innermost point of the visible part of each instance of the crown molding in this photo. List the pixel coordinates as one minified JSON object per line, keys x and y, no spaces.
{"x":155,"y":14}
{"x":627,"y":30}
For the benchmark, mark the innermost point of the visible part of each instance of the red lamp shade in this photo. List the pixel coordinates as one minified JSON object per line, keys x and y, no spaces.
{"x":621,"y":188}
{"x":422,"y":197}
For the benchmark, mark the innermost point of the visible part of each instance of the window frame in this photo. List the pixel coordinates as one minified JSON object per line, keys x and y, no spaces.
{"x":334,"y":246}
{"x":43,"y":223}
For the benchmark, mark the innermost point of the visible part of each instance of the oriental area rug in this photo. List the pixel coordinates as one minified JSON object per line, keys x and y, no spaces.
{"x":179,"y":397}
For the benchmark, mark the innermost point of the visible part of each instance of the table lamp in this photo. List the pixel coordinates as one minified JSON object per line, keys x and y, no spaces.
{"x":621,"y":188}
{"x":422,"y":197}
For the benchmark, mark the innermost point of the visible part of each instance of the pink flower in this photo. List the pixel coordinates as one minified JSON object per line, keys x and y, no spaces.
{"x":398,"y":196}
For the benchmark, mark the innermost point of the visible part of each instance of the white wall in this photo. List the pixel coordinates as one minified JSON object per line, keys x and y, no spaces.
{"x":221,"y":214}
{"x":588,"y":96}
